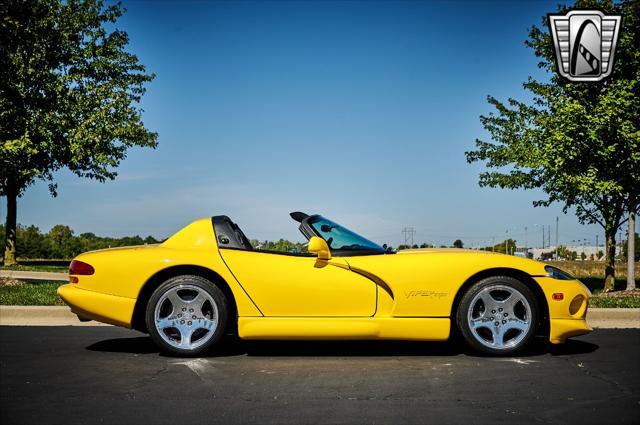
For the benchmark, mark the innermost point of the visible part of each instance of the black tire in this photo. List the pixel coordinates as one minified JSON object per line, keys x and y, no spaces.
{"x":479,"y":339}
{"x":190,"y":282}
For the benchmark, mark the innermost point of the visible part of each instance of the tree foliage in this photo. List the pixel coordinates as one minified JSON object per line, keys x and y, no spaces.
{"x":61,"y":242}
{"x":578,"y":142}
{"x":280,"y":245}
{"x":69,"y":94}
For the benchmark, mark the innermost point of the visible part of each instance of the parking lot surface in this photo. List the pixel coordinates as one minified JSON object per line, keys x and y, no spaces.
{"x":110,"y":375}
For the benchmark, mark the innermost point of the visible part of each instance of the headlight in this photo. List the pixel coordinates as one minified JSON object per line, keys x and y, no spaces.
{"x":554,"y":273}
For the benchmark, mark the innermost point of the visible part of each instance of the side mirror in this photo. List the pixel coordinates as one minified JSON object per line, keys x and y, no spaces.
{"x":319,"y":247}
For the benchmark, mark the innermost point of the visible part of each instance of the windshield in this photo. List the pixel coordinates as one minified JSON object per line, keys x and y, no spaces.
{"x":341,"y":238}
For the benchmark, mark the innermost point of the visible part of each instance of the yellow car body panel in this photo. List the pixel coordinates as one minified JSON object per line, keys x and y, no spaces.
{"x":406,"y":295}
{"x":285,"y":285}
{"x":305,"y":328}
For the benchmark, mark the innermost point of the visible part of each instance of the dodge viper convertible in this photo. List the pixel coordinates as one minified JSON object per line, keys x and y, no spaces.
{"x":207,"y":280}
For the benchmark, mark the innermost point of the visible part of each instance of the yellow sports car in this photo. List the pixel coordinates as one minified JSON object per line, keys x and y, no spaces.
{"x":207,"y":280}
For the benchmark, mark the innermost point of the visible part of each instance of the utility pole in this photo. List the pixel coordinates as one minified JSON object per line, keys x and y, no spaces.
{"x":543,"y":238}
{"x":557,"y":223}
{"x":631,"y":248}
{"x":506,"y":239}
{"x":408,"y":235}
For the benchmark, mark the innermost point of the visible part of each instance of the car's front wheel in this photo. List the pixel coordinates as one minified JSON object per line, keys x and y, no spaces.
{"x":498,"y":315}
{"x":186,"y":315}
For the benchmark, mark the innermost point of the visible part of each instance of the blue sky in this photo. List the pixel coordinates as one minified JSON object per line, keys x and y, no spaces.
{"x":361,"y":111}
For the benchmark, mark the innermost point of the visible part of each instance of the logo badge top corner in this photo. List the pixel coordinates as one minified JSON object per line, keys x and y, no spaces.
{"x":585,"y":43}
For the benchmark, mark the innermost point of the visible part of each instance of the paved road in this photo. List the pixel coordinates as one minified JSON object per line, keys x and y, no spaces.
{"x":110,"y":375}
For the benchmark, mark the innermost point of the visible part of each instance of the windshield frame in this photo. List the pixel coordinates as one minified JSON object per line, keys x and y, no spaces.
{"x":308,"y":223}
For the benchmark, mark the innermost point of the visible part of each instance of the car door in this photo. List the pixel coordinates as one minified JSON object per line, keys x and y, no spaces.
{"x":301,"y":286}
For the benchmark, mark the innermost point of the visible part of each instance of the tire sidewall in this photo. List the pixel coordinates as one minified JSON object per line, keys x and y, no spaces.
{"x":202,"y":283}
{"x":465,"y":304}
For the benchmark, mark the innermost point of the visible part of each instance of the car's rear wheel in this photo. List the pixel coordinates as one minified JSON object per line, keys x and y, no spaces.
{"x":186,"y":315}
{"x":498,"y":315}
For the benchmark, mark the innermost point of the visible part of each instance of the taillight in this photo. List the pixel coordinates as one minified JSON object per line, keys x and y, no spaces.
{"x":81,"y":268}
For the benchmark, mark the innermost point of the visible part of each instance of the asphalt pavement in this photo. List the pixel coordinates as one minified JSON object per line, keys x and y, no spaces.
{"x":109,"y":375}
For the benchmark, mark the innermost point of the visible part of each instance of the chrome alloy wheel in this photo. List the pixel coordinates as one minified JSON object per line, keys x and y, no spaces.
{"x":499,"y":317}
{"x":186,"y":317}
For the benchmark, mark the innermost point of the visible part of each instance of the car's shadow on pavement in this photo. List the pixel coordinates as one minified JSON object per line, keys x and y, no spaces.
{"x":232,"y":346}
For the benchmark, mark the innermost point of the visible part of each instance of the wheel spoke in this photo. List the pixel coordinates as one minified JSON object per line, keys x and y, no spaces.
{"x":488,"y":301}
{"x":481,"y":323}
{"x":510,"y":303}
{"x":175,"y":300}
{"x":515,"y":323}
{"x":206,"y":324}
{"x":197,"y":303}
{"x":165,"y":323}
{"x":498,"y":335}
{"x":185,"y":336}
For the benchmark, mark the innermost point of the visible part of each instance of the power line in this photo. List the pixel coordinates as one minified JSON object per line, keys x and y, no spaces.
{"x":408,"y":235}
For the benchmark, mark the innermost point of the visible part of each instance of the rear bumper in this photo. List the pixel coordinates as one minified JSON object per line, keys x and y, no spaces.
{"x":98,"y":306}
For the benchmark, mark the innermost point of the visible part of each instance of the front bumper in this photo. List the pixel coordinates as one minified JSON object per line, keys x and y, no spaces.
{"x":98,"y":306}
{"x":561,"y":329}
{"x":567,"y":317}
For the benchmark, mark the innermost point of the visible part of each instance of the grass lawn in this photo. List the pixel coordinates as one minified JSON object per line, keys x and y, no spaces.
{"x":592,"y":269}
{"x":614,"y":302}
{"x":28,"y":293}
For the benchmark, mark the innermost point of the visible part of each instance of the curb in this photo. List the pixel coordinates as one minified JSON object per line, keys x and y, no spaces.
{"x":29,"y":275}
{"x":614,"y":318}
{"x":19,"y":315}
{"x":16,"y":315}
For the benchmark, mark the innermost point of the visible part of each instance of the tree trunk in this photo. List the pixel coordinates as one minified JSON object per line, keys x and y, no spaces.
{"x":11,"y":192}
{"x":631,"y":251}
{"x":610,"y":259}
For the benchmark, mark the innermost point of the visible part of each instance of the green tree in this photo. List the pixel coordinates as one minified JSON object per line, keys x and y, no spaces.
{"x":458,"y":243}
{"x":505,"y":247}
{"x":563,"y":252}
{"x":32,"y":243}
{"x":578,"y":142}
{"x":62,"y":242}
{"x":69,"y":96}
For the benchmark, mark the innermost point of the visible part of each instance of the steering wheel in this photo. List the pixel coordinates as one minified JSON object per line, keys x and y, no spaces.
{"x":329,"y":242}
